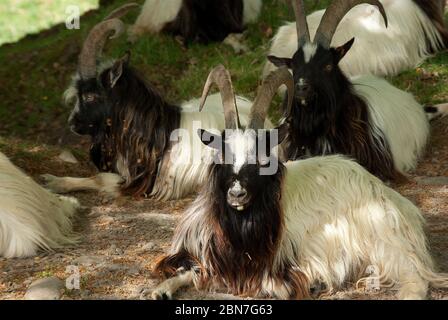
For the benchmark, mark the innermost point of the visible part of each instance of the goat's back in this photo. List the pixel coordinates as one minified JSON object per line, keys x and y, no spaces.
{"x":339,"y":219}
{"x":378,"y":50}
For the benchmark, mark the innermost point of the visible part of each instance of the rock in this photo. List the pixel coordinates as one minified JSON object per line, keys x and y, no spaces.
{"x":433,"y":181}
{"x":113,"y":249}
{"x":45,"y":289}
{"x":106,"y":220}
{"x":67,"y":156}
{"x":147,"y":247}
{"x":133,"y":271}
{"x":159,"y":218}
{"x":89,"y":260}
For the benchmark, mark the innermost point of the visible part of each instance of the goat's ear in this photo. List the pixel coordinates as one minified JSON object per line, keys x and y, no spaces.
{"x":280,"y":62}
{"x":209,"y":139}
{"x":341,"y":51}
{"x":116,"y":71}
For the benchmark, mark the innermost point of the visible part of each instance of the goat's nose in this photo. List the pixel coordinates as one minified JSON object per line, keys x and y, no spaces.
{"x":238,"y":194}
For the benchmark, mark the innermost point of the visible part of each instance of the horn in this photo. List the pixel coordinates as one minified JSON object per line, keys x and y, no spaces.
{"x":221,"y":77}
{"x":94,"y":44}
{"x":303,"y":33}
{"x":266,"y":93}
{"x":333,"y":16}
{"x":121,"y":11}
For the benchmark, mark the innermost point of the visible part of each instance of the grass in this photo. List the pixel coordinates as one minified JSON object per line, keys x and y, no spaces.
{"x":39,"y":67}
{"x":21,"y":17}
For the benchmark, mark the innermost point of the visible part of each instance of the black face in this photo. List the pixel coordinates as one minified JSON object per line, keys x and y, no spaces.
{"x":315,"y":71}
{"x":90,"y":109}
{"x":246,"y":164}
{"x":92,"y":106}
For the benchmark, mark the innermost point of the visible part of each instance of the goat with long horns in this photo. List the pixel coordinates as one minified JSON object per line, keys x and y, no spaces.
{"x":416,"y":30}
{"x":141,"y":143}
{"x":365,"y":117}
{"x":275,"y":234}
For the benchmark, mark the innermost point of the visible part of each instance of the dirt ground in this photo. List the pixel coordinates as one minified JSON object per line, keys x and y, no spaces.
{"x":121,"y":241}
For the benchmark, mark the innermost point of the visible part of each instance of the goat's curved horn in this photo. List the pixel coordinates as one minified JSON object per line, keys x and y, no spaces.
{"x":333,"y":16}
{"x":94,"y":44}
{"x":121,"y":11}
{"x":303,"y":33}
{"x":221,"y":77}
{"x":266,"y":93}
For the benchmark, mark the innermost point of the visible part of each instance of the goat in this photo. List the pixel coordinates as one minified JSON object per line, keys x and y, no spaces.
{"x":133,"y":129}
{"x":31,"y":218}
{"x":363,"y":117}
{"x":202,"y":21}
{"x":416,"y":30}
{"x":321,"y":220}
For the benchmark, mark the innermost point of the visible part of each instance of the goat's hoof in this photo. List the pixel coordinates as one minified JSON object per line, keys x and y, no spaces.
{"x":160,"y":294}
{"x":107,"y":198}
{"x":52,"y":183}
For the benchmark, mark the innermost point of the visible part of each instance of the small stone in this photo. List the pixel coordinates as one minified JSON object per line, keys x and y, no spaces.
{"x":68,"y":157}
{"x":147,"y":247}
{"x":133,"y":271}
{"x":106,"y":220}
{"x":45,"y":289}
{"x":89,"y":260}
{"x":113,"y":249}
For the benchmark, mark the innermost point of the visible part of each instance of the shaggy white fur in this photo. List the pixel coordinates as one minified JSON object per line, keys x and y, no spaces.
{"x":401,"y":119}
{"x":183,"y":169}
{"x":156,"y":14}
{"x":31,"y":218}
{"x":339,"y":220}
{"x":377,"y":50}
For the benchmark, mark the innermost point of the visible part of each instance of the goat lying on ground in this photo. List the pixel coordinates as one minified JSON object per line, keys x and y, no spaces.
{"x":364,"y":117}
{"x":133,"y":129}
{"x":416,"y":30}
{"x":31,"y":218}
{"x":321,"y":220}
{"x":197,"y":20}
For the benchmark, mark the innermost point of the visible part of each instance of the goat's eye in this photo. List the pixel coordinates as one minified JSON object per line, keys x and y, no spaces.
{"x":328,"y":67}
{"x":89,"y":97}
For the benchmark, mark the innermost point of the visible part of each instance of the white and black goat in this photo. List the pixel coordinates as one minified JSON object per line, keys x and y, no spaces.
{"x":416,"y":30}
{"x":322,"y":220}
{"x":31,"y":218}
{"x":363,"y":117}
{"x":133,"y":129}
{"x":196,"y":20}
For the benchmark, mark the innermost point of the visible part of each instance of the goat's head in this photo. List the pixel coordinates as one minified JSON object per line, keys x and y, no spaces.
{"x":315,"y":64}
{"x":90,"y":93}
{"x":247,"y":160}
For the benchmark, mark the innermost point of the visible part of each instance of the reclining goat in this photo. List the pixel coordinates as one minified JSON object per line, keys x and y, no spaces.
{"x":364,"y":117}
{"x":31,"y":218}
{"x":133,"y":129}
{"x":416,"y":30}
{"x":197,"y":20}
{"x":321,"y":220}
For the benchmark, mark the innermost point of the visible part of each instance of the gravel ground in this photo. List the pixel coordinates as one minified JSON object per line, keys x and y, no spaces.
{"x":120,"y":242}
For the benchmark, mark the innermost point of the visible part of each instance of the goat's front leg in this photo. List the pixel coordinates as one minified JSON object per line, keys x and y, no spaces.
{"x":106,"y":183}
{"x":169,"y":287}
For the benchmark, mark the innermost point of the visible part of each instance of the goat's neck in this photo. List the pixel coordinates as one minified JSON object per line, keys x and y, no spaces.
{"x":318,"y":125}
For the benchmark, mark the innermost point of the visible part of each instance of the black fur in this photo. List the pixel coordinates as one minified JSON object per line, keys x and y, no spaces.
{"x":207,"y":20}
{"x":125,"y":115}
{"x":243,"y":244}
{"x":334,"y":119}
